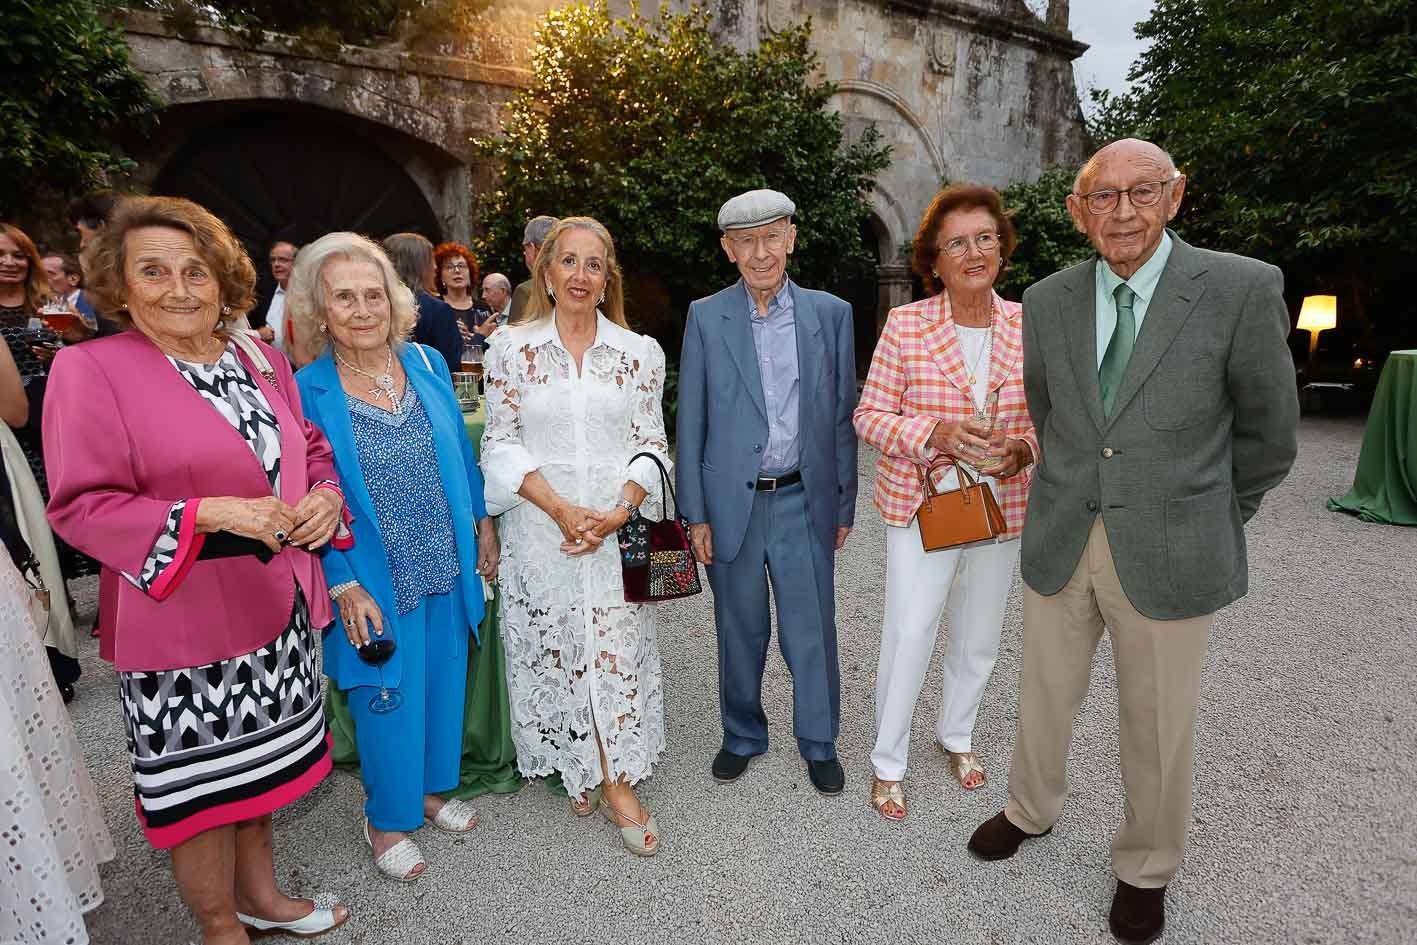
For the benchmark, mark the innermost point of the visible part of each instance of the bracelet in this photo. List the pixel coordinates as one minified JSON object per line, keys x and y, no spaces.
{"x":627,"y":505}
{"x":339,"y":589}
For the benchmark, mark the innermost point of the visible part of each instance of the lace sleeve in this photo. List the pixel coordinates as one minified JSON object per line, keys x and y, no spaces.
{"x":647,"y":424}
{"x":505,"y":460}
{"x":172,"y":554}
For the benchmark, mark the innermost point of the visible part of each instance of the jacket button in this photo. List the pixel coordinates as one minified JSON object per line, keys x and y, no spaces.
{"x":1092,"y":505}
{"x":757,"y":448}
{"x":1106,"y":452}
{"x":748,"y":484}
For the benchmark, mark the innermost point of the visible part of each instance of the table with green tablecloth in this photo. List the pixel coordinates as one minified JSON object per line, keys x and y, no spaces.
{"x":489,"y":761}
{"x":1385,"y":485}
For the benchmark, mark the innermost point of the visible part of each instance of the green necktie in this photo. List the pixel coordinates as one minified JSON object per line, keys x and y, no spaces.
{"x":1119,"y":349}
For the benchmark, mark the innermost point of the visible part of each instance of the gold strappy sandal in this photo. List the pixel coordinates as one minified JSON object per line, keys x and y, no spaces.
{"x":962,"y":765}
{"x":883,"y":793}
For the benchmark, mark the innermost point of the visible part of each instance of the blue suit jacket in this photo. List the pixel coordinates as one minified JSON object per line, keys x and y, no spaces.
{"x":365,"y":562}
{"x":723,"y":425}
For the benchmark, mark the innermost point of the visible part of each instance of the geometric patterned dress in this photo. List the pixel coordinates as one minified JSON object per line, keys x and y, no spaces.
{"x":238,"y":737}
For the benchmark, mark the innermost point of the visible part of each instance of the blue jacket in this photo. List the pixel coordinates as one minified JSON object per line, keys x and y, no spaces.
{"x":366,"y":562}
{"x":723,"y":425}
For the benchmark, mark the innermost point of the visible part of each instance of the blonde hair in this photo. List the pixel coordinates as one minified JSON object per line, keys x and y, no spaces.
{"x":105,"y":255}
{"x":305,"y":294}
{"x":540,"y":306}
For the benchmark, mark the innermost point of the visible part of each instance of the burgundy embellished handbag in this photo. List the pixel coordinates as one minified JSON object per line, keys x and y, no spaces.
{"x":656,"y":560}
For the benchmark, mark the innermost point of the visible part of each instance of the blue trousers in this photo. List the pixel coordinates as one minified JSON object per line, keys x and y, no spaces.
{"x":417,"y":748}
{"x":779,"y":548}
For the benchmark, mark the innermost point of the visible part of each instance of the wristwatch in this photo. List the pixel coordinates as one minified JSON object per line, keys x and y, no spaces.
{"x":629,"y":507}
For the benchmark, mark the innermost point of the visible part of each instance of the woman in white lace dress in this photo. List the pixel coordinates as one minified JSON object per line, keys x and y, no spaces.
{"x":50,"y":818}
{"x":572,"y":396}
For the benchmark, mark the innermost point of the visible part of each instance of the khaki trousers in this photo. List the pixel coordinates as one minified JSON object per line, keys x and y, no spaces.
{"x":1158,"y":665}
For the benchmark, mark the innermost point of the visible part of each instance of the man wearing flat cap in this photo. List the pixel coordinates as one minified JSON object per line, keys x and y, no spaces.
{"x":766,"y":474}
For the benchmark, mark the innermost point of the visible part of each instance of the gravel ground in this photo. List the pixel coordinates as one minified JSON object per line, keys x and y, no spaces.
{"x":1303,"y":827}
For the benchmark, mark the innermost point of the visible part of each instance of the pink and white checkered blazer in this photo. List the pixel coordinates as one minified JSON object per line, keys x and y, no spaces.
{"x":918,"y":377}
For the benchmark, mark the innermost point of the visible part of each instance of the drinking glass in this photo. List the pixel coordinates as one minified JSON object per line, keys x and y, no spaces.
{"x":986,"y":418}
{"x":474,"y":356}
{"x":377,"y":652}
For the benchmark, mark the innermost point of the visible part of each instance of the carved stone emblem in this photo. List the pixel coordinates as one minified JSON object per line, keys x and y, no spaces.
{"x":777,"y":15}
{"x":943,"y":44}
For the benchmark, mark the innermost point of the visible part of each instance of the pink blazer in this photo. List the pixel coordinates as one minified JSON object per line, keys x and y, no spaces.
{"x":125,"y":436}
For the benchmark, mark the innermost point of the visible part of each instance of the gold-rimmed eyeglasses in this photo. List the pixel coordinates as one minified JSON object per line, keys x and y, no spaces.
{"x":1144,"y":194}
{"x":984,"y":242}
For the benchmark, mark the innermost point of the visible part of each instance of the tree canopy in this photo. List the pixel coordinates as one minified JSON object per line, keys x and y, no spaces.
{"x":649,"y":125}
{"x":1047,"y":239}
{"x":68,"y":88}
{"x":1296,"y":124}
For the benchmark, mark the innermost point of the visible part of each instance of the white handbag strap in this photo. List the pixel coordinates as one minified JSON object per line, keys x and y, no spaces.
{"x":245,"y":339}
{"x":424,"y":355}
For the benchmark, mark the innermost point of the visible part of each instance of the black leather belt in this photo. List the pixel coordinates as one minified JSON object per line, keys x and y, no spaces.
{"x":774,"y":483}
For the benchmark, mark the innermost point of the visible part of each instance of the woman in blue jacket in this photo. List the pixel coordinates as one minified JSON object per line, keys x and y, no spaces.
{"x":422,"y":539}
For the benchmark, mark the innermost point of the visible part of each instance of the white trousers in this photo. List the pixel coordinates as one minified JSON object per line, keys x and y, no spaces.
{"x":918,"y":585}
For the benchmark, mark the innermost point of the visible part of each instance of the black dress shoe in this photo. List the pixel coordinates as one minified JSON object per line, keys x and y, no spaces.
{"x":728,"y":766}
{"x":998,"y":839}
{"x":827,"y":776}
{"x":1138,"y":915}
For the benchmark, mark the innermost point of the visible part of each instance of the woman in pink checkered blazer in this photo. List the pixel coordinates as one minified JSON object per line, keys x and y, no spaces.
{"x":939,"y":364}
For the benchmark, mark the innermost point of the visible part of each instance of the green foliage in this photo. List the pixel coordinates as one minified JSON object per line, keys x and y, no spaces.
{"x":1296,"y":124}
{"x":1047,"y":239}
{"x":68,"y":88}
{"x":360,"y":22}
{"x":649,"y":125}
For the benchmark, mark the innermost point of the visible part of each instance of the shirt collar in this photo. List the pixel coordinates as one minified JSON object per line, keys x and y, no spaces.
{"x":279,"y":289}
{"x":606,"y":333}
{"x":780,"y":302}
{"x":1143,"y":281}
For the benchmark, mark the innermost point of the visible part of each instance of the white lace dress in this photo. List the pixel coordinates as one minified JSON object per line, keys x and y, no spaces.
{"x":51,"y":826}
{"x":579,"y":659}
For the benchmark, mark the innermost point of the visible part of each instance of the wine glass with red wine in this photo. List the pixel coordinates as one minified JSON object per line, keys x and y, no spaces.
{"x":377,"y":652}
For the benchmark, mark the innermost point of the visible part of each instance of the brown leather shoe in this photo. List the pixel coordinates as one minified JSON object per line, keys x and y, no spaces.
{"x":1138,"y":915}
{"x":998,"y":839}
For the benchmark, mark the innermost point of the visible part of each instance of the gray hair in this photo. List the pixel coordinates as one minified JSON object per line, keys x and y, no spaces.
{"x":305,"y":296}
{"x":536,"y":230}
{"x":498,"y":281}
{"x":412,"y":256}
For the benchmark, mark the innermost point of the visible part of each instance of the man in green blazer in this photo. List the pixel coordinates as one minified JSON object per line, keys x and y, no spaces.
{"x":1163,"y":392}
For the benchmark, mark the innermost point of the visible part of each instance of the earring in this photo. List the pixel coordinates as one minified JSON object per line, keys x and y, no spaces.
{"x":226,"y":309}
{"x":935,"y":273}
{"x":549,"y":294}
{"x":602,"y":298}
{"x":324,"y":328}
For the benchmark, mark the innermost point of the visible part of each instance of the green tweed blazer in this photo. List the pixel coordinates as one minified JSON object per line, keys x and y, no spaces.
{"x":1204,"y":424}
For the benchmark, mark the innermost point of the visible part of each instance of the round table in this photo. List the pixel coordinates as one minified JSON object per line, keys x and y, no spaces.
{"x":489,"y":760}
{"x":1385,"y":484}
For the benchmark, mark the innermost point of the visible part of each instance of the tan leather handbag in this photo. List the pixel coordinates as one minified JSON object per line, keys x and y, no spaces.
{"x":960,"y":516}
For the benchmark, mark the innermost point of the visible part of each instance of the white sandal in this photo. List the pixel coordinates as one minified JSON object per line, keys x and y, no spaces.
{"x":319,"y":921}
{"x":400,"y":860}
{"x":454,"y":816}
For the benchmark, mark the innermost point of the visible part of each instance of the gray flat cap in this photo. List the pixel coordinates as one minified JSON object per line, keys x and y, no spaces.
{"x":754,"y":208}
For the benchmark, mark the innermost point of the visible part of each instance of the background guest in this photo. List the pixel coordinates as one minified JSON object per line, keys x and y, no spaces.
{"x":412,"y":573}
{"x":572,"y":396}
{"x":532,"y":238}
{"x":178,"y":385}
{"x":269,"y":316}
{"x":457,"y":271}
{"x":936,"y":365}
{"x":437,"y":324}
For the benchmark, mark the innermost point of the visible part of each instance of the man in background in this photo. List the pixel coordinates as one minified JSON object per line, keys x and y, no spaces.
{"x":268,"y":317}
{"x":532,"y":238}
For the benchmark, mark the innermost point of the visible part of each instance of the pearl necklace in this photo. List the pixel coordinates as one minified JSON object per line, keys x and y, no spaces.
{"x":385,"y":381}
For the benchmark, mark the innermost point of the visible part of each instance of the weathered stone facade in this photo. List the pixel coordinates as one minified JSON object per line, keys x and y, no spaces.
{"x":964,"y":90}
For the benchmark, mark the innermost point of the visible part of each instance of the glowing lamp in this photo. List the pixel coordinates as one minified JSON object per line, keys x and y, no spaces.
{"x":1320,"y":313}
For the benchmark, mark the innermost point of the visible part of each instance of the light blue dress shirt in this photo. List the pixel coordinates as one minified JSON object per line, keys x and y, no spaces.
{"x":775,"y":338}
{"x":1143,"y":283}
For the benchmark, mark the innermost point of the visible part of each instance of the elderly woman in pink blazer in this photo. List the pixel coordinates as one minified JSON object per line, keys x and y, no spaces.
{"x":941,"y":364}
{"x":180,"y":459}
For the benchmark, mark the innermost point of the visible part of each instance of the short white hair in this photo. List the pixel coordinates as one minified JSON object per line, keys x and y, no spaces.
{"x":305,"y":295}
{"x":497,"y":281}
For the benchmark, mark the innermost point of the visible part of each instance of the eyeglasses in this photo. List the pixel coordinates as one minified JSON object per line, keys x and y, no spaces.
{"x":772,"y":241}
{"x":984,"y":242}
{"x":1141,"y":195}
{"x":459,"y":265}
{"x":346,"y":301}
{"x":282,"y":259}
